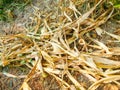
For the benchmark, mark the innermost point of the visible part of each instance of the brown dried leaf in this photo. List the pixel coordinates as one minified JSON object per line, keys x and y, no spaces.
{"x":75,"y":82}
{"x":106,"y":63}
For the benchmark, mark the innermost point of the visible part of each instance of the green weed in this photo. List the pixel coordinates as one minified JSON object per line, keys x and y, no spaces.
{"x":7,"y":8}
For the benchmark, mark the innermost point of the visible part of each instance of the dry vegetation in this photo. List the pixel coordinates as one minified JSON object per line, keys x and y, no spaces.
{"x":65,"y":47}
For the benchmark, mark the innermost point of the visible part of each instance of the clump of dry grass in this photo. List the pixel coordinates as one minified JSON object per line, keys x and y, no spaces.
{"x":64,"y":44}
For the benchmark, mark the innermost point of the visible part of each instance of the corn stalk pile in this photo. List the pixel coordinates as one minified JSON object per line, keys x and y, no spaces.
{"x":65,"y":43}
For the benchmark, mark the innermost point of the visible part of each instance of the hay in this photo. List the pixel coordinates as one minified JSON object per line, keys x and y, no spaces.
{"x":64,"y":44}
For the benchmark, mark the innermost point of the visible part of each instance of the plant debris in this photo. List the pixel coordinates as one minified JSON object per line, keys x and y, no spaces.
{"x":63,"y":48}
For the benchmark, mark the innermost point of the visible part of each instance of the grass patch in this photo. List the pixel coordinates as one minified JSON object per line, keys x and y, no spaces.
{"x":7,"y":8}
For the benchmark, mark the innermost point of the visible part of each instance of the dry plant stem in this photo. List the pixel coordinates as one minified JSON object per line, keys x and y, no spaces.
{"x":108,"y":79}
{"x":75,"y":82}
{"x":29,"y":76}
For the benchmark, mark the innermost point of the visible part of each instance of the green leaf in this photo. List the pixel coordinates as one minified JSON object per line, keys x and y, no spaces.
{"x":117,"y":6}
{"x":23,"y":62}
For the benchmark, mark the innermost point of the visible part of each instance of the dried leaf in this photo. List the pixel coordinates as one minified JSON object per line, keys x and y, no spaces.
{"x":75,"y":82}
{"x":102,"y":45}
{"x":106,"y":63}
{"x":47,"y":57}
{"x":99,"y":31}
{"x":113,"y":35}
{"x":108,"y":79}
{"x":25,"y":86}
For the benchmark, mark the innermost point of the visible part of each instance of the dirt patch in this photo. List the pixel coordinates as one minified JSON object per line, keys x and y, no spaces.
{"x":11,"y":78}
